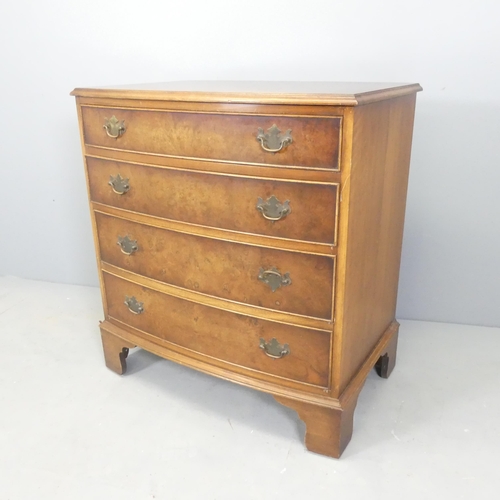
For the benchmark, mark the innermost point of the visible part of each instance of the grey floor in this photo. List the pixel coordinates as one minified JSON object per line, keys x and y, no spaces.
{"x":71,"y":429}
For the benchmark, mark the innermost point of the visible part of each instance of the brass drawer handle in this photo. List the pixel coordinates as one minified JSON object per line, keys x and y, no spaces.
{"x":273,"y":209}
{"x":273,"y":278}
{"x":273,"y":140}
{"x":114,"y":127}
{"x":274,"y":349}
{"x":134,"y":306}
{"x":127,"y":246}
{"x":119,"y":185}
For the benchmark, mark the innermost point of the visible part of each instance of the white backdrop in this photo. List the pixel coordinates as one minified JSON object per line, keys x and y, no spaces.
{"x":451,"y":250}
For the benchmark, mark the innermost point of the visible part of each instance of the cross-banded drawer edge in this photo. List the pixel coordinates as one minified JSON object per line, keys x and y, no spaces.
{"x":237,"y":204}
{"x":219,"y":136}
{"x":214,"y":366}
{"x":279,"y":280}
{"x":290,"y":351}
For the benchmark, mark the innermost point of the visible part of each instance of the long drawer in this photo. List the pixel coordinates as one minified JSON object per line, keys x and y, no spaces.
{"x":273,"y":279}
{"x":311,"y":142}
{"x":236,"y":339}
{"x":222,"y":201}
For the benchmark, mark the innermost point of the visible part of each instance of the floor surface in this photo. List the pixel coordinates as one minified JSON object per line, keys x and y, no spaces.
{"x":71,"y":429}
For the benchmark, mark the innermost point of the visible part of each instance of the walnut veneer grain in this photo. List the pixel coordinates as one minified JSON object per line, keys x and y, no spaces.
{"x":225,"y":137}
{"x":196,"y":171}
{"x":221,"y":268}
{"x":230,"y":337}
{"x":223,"y":201}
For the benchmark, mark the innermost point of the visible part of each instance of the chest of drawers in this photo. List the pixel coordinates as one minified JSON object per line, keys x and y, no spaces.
{"x":253,"y":231}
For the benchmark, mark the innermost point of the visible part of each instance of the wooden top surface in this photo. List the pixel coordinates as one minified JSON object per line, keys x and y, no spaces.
{"x":319,"y":93}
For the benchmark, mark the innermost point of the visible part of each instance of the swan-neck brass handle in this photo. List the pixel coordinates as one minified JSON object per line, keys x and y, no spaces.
{"x":272,"y":209}
{"x":119,"y":185}
{"x":273,"y":278}
{"x":114,"y":127}
{"x":134,"y":306}
{"x":127,"y":246}
{"x":274,"y":349}
{"x":273,"y":140}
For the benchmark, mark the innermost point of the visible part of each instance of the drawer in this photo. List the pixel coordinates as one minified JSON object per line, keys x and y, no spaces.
{"x":226,"y":202}
{"x":220,"y":334}
{"x":222,"y":137}
{"x":233,"y":271}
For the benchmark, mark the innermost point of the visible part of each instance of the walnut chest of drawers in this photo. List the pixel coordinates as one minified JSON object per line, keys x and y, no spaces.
{"x":253,"y":231}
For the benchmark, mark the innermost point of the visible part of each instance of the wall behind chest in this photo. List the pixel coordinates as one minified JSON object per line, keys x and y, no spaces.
{"x":452,"y":242}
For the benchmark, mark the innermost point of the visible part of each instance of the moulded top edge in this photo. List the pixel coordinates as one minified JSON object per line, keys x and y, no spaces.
{"x":309,"y":93}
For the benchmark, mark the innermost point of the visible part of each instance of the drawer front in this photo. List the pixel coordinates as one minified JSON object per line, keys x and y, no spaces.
{"x":232,"y":138}
{"x":220,"y":334}
{"x":273,"y":279}
{"x":221,"y":201}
